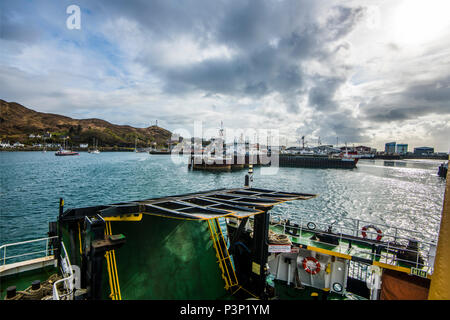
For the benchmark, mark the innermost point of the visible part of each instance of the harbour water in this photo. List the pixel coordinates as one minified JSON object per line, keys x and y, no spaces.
{"x":407,"y":194}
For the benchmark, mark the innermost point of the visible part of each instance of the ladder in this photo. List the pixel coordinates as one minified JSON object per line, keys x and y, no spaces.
{"x":222,"y":254}
{"x":112,"y":268}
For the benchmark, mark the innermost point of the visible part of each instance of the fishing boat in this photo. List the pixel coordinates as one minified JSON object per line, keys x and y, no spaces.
{"x":222,"y":244}
{"x":317,"y":161}
{"x":64,"y":152}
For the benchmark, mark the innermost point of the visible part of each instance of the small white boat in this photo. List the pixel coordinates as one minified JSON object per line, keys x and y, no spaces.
{"x":95,"y":150}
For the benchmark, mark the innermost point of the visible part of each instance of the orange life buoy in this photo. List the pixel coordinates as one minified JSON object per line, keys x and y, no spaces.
{"x":314,"y":269}
{"x":364,"y":233}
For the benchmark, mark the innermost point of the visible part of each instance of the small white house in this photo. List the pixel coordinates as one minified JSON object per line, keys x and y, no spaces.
{"x":5,"y":144}
{"x":18,"y":144}
{"x":84,"y":145}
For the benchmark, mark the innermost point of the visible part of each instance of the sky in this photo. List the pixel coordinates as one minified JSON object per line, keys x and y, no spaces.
{"x":356,"y":72}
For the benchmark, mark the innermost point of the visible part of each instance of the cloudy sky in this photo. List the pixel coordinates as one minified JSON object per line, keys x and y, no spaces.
{"x":363,"y":72}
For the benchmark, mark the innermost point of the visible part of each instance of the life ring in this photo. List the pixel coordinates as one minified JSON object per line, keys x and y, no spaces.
{"x":307,"y":265}
{"x":364,"y":233}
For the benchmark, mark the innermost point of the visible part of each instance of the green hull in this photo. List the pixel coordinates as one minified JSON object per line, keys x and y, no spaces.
{"x":161,"y":259}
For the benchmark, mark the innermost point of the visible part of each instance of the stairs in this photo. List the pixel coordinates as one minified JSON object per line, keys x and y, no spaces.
{"x":222,"y":254}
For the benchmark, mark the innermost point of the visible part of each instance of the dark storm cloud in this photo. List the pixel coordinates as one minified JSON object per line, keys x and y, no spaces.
{"x":341,"y":125}
{"x":166,"y":18}
{"x":415,"y":101}
{"x":256,"y":75}
{"x":322,"y":94}
{"x":438,"y":91}
{"x":257,"y":67}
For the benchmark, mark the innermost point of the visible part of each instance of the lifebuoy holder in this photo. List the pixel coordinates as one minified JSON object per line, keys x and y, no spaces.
{"x":365,"y":228}
{"x":307,"y":262}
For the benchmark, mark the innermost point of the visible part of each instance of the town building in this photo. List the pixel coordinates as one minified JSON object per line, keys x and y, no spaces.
{"x":423,"y":150}
{"x":389,"y":147}
{"x":402,"y":148}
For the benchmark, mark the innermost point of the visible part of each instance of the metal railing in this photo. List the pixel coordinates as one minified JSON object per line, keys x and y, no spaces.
{"x":67,"y":272}
{"x":66,"y":267}
{"x":23,"y":244}
{"x":399,"y":246}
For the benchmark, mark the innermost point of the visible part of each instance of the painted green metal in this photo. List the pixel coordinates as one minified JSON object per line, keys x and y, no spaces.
{"x":169,"y":254}
{"x":24,"y":279}
{"x":166,"y":259}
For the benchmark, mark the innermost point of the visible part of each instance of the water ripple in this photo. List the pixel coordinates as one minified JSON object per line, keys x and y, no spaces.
{"x":407,"y":194}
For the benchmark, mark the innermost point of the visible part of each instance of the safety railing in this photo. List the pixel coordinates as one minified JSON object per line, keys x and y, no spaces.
{"x":392,"y":245}
{"x":67,"y":280}
{"x":26,"y":249}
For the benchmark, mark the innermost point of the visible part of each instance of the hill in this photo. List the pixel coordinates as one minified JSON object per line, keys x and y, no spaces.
{"x":18,"y":122}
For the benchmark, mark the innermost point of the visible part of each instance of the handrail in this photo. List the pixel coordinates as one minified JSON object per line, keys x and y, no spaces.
{"x":356,"y":229}
{"x":423,"y":247}
{"x":66,"y":268}
{"x":358,"y":221}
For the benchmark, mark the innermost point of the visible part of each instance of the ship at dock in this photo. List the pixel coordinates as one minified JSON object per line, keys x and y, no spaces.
{"x":220,"y":156}
{"x":222,"y":244}
{"x":321,"y":156}
{"x":235,"y":161}
{"x":341,"y":161}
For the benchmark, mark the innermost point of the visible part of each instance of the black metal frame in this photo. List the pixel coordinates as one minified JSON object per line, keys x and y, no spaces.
{"x":239,"y":203}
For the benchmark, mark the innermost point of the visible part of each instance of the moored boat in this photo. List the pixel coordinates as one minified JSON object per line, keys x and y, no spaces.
{"x":95,"y":148}
{"x":63,"y":152}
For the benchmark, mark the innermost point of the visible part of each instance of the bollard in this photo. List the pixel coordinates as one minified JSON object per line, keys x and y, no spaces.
{"x":10,"y":292}
{"x":35,"y":285}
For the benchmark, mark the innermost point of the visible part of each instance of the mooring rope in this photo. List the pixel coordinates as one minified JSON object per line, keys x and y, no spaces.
{"x":44,"y":292}
{"x":275,"y":238}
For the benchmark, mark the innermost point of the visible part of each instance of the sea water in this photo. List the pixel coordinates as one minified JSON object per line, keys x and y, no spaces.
{"x":406,"y":194}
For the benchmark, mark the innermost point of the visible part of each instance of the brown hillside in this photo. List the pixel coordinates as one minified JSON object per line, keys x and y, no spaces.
{"x":19,"y":122}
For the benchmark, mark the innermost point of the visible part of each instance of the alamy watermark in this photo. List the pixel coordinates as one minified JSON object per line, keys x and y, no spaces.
{"x":74,"y":19}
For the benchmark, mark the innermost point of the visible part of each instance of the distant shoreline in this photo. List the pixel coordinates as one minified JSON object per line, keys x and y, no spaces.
{"x":123,"y":149}
{"x":73,"y":149}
